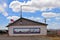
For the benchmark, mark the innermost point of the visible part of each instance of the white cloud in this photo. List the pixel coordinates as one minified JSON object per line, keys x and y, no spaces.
{"x":49,"y":14}
{"x":38,"y":19}
{"x":5,"y":14}
{"x":48,"y":19}
{"x":36,"y":4}
{"x":2,"y":9}
{"x":29,"y":9}
{"x":13,"y":17}
{"x":16,"y":6}
{"x":58,"y":15}
{"x":57,"y":18}
{"x":4,"y":5}
{"x":46,"y":3}
{"x":53,"y":26}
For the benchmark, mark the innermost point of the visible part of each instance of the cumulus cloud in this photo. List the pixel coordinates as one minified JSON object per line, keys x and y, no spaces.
{"x":36,"y":4}
{"x":5,"y":14}
{"x":4,"y":5}
{"x":38,"y":19}
{"x":16,"y":6}
{"x":49,"y":14}
{"x":29,"y":9}
{"x":54,"y":26}
{"x":45,"y":3}
{"x":13,"y":17}
{"x":57,"y":18}
{"x":58,"y":14}
{"x":2,"y":9}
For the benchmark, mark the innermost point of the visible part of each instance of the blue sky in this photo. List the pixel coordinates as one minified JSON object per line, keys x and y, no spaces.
{"x":37,"y":11}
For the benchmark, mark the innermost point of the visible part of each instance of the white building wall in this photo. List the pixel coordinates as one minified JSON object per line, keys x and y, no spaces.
{"x":43,"y":30}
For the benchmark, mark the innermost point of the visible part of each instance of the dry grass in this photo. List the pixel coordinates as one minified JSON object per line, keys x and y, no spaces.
{"x":6,"y":37}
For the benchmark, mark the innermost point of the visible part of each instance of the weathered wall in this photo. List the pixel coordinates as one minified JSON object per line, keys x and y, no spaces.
{"x":43,"y":30}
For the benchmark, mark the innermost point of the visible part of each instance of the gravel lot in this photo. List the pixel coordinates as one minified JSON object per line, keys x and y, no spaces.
{"x":6,"y":37}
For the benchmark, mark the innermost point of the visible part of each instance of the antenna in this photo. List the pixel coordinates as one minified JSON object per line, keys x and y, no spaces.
{"x":45,"y":20}
{"x":21,"y":11}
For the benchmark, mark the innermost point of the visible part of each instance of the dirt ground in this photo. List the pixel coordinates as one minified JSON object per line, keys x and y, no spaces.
{"x":6,"y":37}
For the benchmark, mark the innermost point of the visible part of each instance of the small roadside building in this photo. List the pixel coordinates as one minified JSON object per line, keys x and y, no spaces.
{"x":25,"y":26}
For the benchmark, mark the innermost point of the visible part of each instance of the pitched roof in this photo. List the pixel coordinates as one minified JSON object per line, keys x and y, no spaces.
{"x":27,"y":20}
